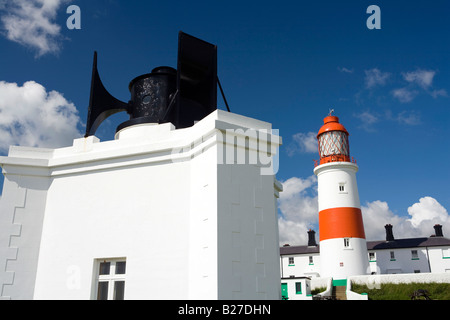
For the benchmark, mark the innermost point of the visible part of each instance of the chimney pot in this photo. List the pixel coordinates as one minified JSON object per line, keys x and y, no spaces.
{"x":312,"y":238}
{"x":389,"y":233}
{"x":438,"y":230}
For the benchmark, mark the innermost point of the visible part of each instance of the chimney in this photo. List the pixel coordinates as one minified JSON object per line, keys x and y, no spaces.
{"x":312,"y":238}
{"x":389,"y":233}
{"x":438,"y":230}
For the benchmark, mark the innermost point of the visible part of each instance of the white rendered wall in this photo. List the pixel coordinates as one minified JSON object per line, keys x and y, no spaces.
{"x":402,"y":261}
{"x":329,"y":177}
{"x":439,"y":259}
{"x":339,"y":262}
{"x":21,"y":217}
{"x":188,"y":226}
{"x":301,"y":266}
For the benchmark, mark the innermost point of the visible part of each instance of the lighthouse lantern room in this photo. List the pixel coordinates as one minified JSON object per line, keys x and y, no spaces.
{"x":343,"y":248}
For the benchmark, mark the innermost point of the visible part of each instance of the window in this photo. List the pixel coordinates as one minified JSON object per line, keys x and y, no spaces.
{"x":414,"y":255}
{"x":298,"y":288}
{"x":392,"y":256}
{"x":446,"y":253}
{"x":311,"y":260}
{"x":346,"y":242}
{"x":291,"y":261}
{"x":372,"y":256}
{"x":341,"y":187}
{"x":110,"y":279}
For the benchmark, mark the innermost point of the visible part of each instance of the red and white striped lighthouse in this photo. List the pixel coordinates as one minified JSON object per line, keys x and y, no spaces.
{"x":343,"y":248}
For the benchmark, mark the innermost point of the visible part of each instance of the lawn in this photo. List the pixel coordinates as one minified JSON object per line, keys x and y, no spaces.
{"x":403,"y":291}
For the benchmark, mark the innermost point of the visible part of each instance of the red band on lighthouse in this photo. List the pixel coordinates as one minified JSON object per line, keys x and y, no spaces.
{"x":341,"y":223}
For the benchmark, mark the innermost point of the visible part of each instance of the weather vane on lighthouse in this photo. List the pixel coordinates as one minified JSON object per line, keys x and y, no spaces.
{"x":331,"y":112}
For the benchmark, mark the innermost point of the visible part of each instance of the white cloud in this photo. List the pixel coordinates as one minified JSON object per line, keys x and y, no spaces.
{"x":31,"y":116}
{"x":376,"y":215}
{"x":374,"y":77}
{"x":404,"y":95}
{"x":345,"y":70}
{"x":419,"y":223}
{"x":411,"y":118}
{"x":368,"y":119}
{"x":438,"y":93}
{"x":299,"y":210}
{"x":31,"y":24}
{"x":303,"y":142}
{"x":423,"y":78}
{"x":427,"y":211}
{"x":419,"y":81}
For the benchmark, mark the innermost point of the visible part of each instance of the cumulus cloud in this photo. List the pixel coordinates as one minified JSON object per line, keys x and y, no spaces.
{"x":303,"y":143}
{"x":375,"y":77}
{"x":299,"y":210}
{"x":427,"y":211}
{"x":419,"y":222}
{"x":31,"y":116}
{"x":31,"y":24}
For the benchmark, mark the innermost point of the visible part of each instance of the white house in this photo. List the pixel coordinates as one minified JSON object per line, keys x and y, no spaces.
{"x":390,"y":256}
{"x":157,"y":213}
{"x":296,"y":288}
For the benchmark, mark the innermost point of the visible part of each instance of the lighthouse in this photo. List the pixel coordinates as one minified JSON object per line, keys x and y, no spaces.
{"x":343,"y":248}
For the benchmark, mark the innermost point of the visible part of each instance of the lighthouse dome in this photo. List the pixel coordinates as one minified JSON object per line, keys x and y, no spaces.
{"x":331,"y":123}
{"x":333,"y":141}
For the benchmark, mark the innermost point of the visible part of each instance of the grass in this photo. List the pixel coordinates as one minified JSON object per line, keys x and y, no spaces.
{"x":403,"y":291}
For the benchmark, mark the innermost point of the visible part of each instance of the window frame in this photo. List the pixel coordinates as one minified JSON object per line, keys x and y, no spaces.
{"x":445,"y":253}
{"x":296,"y":288}
{"x":291,"y":262}
{"x":112,"y":278}
{"x":392,"y":255}
{"x":347,"y":244}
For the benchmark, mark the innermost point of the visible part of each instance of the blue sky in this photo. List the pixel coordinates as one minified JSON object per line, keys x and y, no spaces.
{"x":285,"y":62}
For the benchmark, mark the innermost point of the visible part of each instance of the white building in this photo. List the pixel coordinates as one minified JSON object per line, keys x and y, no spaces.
{"x":157,"y":213}
{"x":296,"y":288}
{"x":390,"y":256}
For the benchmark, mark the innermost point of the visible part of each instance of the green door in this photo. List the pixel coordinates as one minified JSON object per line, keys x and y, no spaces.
{"x":284,"y":291}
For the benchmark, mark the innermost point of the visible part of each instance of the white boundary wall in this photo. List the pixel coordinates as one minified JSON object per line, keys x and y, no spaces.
{"x":372,"y":281}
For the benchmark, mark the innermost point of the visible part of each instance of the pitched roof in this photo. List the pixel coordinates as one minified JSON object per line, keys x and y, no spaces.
{"x":408,"y":243}
{"x":299,"y":250}
{"x":376,"y":245}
